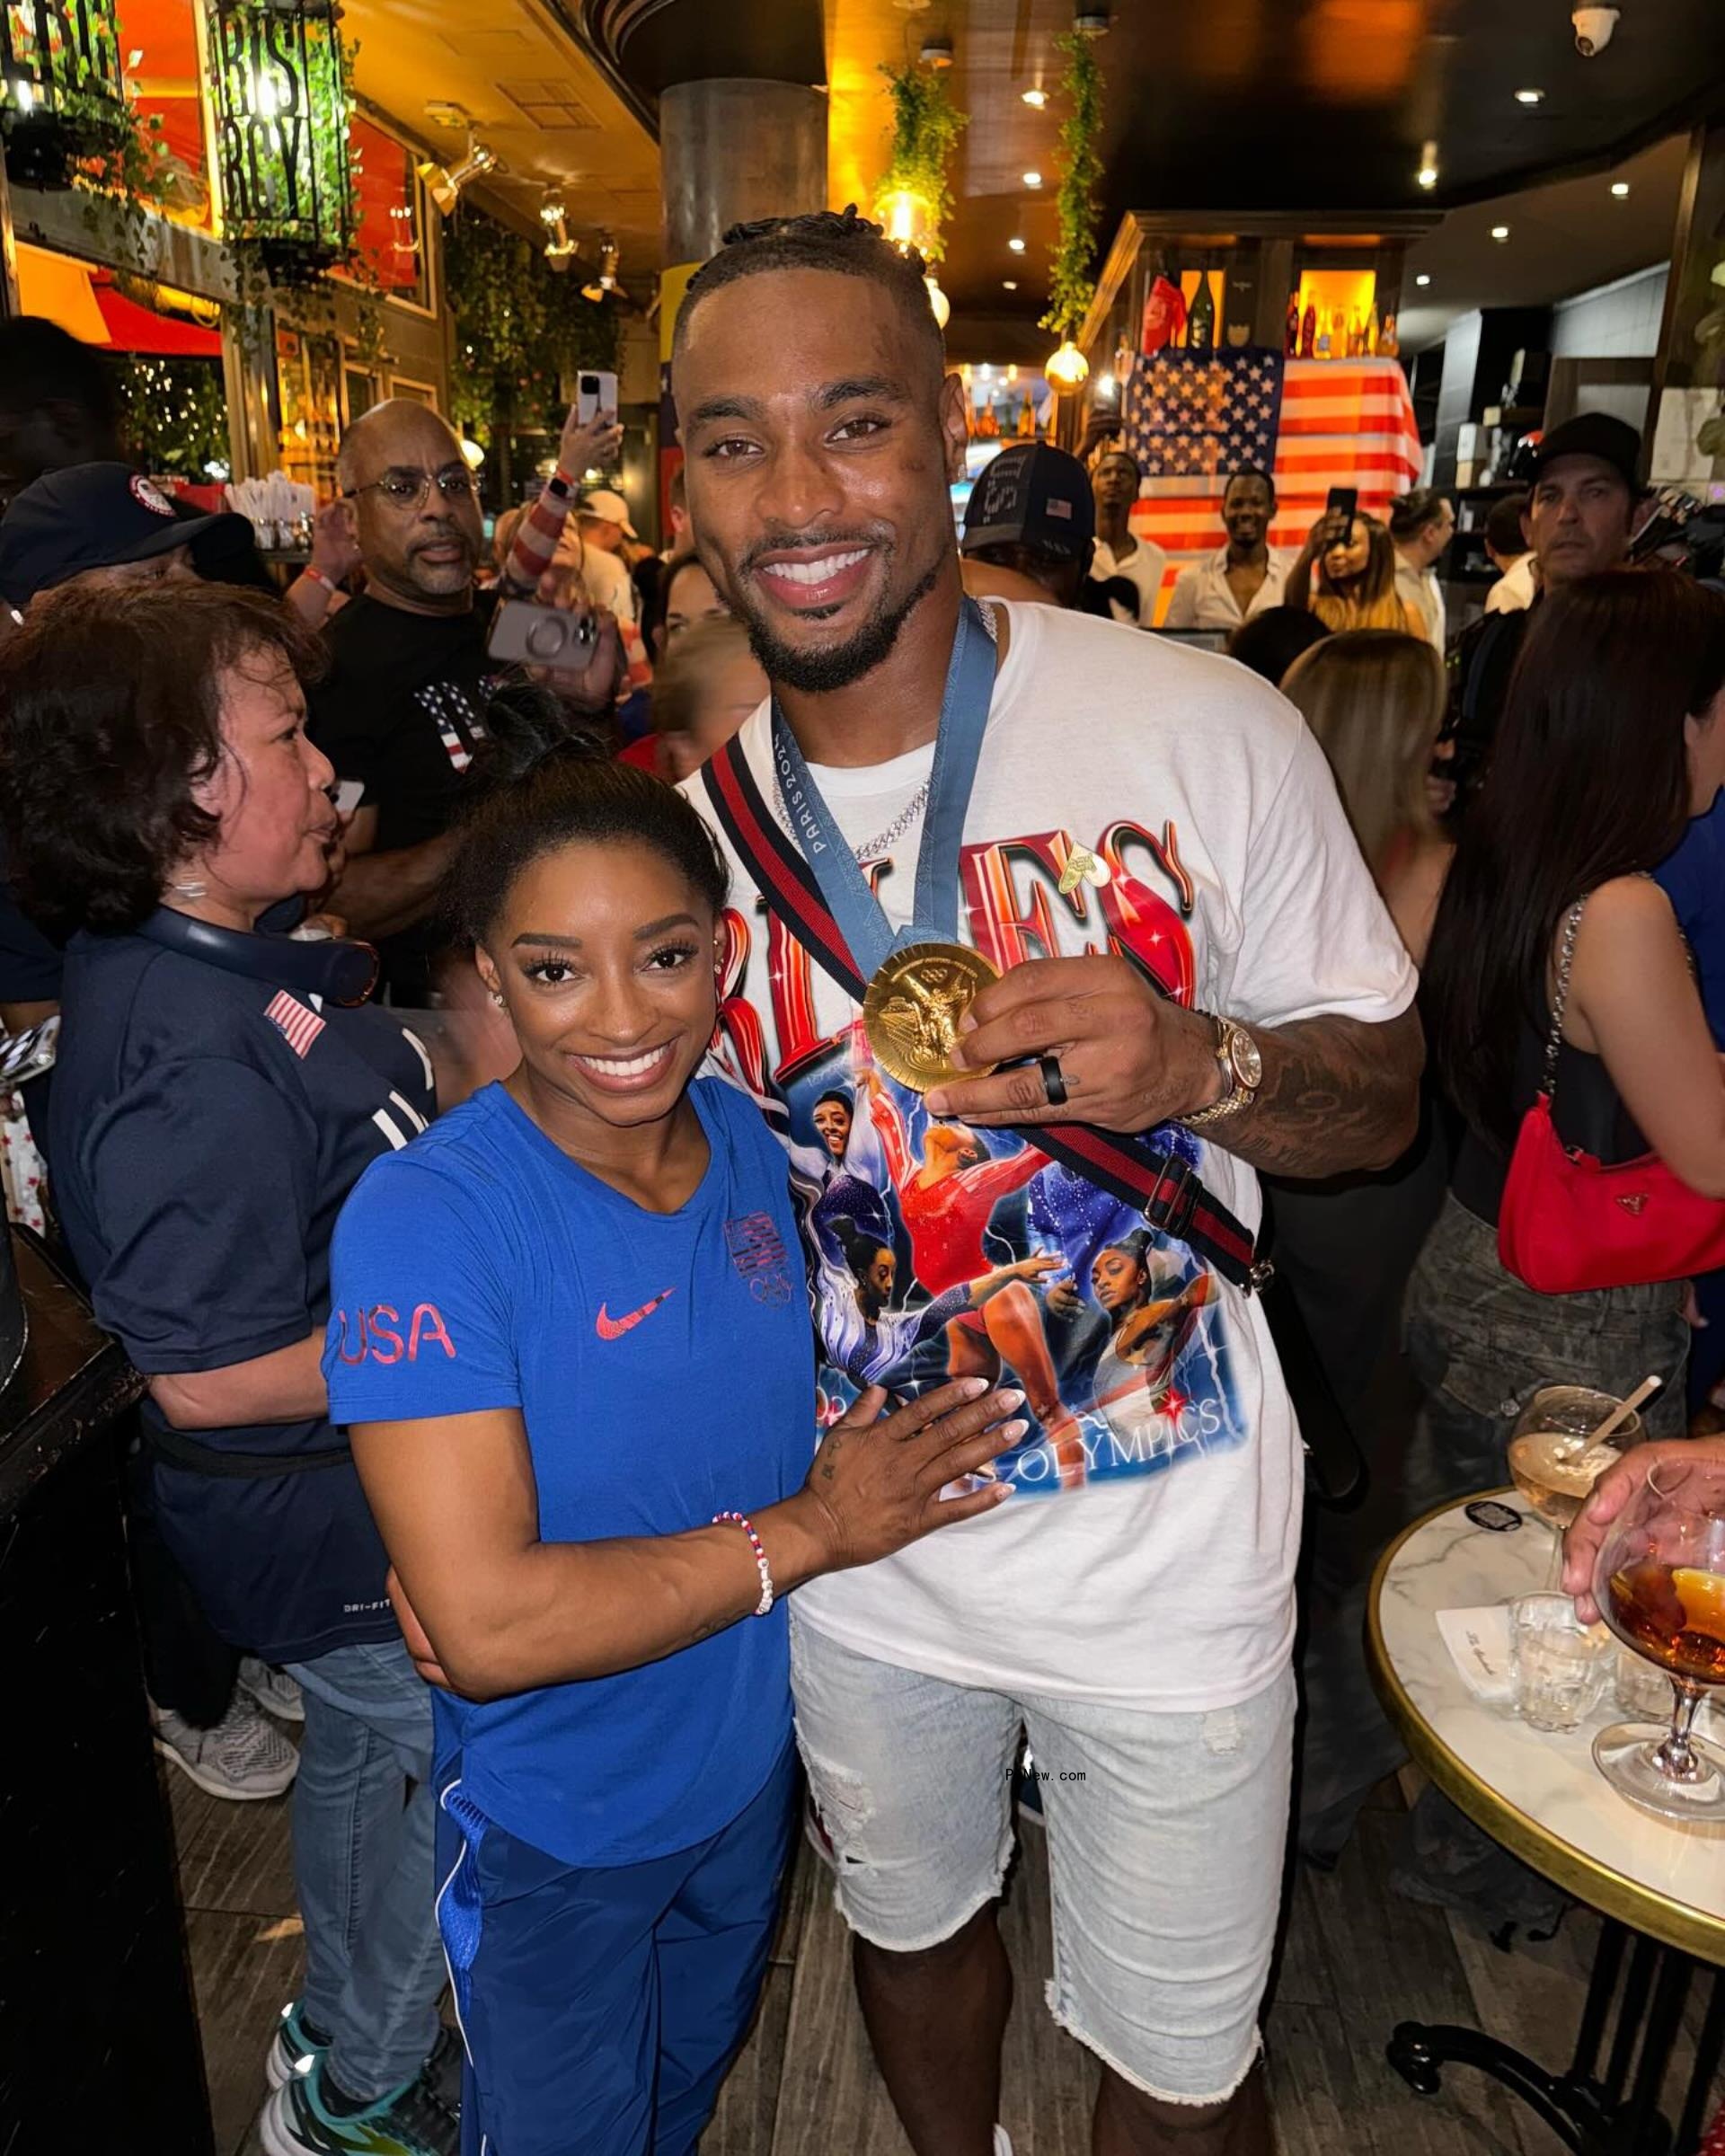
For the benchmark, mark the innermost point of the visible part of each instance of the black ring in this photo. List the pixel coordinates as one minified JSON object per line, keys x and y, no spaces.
{"x":1054,"y":1084}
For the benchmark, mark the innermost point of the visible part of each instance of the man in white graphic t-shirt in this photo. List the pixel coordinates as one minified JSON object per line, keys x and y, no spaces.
{"x":1152,"y":857}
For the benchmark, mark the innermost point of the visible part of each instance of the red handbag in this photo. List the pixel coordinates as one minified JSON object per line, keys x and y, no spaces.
{"x":1569,"y":1223}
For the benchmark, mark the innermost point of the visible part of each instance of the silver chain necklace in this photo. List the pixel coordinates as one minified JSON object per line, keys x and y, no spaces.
{"x":894,"y":831}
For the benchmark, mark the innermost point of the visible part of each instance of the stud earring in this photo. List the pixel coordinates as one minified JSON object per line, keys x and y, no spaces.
{"x":498,"y":998}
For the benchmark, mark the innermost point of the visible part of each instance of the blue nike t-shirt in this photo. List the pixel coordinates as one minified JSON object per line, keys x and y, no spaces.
{"x":663,"y":1364}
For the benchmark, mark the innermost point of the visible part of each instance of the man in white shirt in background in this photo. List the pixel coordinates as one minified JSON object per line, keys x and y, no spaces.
{"x":1511,"y":555}
{"x":602,"y":520}
{"x":1147,"y":837}
{"x":1240,"y":578}
{"x":1421,"y":526}
{"x":1115,"y":484}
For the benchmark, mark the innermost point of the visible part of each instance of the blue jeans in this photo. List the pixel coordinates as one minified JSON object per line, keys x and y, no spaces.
{"x":363,"y":1864}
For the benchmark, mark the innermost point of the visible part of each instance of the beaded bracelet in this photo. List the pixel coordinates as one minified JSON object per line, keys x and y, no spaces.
{"x":761,"y":1565}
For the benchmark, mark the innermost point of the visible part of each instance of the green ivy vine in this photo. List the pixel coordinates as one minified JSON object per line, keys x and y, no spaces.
{"x":521,"y":327}
{"x":1072,"y":283}
{"x":925,"y":129}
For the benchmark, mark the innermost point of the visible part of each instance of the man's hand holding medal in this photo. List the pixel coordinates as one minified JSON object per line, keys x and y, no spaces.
{"x":1123,"y":1057}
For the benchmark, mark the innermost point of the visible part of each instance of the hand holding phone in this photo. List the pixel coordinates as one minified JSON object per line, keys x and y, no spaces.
{"x":1339,"y":514}
{"x":590,"y":439}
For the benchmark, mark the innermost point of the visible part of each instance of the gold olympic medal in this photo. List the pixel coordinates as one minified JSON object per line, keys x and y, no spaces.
{"x":913,"y":1007}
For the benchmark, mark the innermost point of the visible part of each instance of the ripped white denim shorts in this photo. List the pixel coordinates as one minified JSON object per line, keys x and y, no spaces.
{"x":1166,"y":1836}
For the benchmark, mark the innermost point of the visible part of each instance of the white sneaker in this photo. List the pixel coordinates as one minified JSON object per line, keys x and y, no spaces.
{"x":243,"y":1757}
{"x":272,"y":1689}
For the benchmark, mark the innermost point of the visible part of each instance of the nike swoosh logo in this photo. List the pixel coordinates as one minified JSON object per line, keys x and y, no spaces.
{"x":613,"y":1329}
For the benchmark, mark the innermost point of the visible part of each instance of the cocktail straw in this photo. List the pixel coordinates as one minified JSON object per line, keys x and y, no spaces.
{"x":1622,"y":1412}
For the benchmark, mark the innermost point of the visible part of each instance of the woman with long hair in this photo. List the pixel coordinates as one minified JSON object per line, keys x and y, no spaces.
{"x":1373,"y":698}
{"x":1345,"y":1247}
{"x":1612,"y":738}
{"x":571,"y":1341}
{"x":1348,"y":578}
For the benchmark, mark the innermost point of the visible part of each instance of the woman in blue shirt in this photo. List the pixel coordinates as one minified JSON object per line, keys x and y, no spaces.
{"x":570,"y":1336}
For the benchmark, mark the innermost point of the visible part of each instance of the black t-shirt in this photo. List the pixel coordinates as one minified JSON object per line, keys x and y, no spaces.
{"x":207,"y":1128}
{"x":403,"y":710}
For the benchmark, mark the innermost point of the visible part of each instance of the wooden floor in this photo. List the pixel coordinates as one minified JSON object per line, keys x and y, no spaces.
{"x":1357,"y":1958}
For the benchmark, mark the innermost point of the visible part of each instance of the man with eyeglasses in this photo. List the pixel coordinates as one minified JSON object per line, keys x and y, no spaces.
{"x":401,"y":712}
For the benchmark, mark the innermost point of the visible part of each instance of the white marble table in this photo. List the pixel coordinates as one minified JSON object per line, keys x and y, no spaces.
{"x":1538,"y":1794}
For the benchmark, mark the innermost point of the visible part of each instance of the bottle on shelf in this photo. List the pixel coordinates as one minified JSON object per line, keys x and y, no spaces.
{"x":1339,"y":335}
{"x":1357,"y":336}
{"x":1372,"y":332}
{"x":1201,"y":320}
{"x":1291,"y":333}
{"x":1309,"y":330}
{"x":1389,"y":345}
{"x":1165,"y":310}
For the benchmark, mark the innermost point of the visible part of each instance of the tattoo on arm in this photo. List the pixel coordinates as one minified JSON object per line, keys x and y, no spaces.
{"x":1337,"y":1094}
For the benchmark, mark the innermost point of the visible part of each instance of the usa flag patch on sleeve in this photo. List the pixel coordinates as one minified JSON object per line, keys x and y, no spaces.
{"x":298,"y":1026}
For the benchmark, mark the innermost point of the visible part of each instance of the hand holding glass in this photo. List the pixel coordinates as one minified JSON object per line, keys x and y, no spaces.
{"x":1659,"y":1583}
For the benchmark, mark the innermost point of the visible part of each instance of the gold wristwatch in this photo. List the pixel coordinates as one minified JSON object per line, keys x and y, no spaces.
{"x":1243,"y":1073}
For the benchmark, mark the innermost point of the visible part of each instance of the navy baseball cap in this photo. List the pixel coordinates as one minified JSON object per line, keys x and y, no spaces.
{"x":1615,"y":442}
{"x":1031,"y":495}
{"x":97,"y":517}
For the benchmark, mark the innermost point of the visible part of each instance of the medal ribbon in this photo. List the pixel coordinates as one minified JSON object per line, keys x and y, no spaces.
{"x":958,"y":745}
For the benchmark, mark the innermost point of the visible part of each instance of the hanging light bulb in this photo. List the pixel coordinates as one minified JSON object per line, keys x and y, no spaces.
{"x":1066,"y":367}
{"x":939,"y":302}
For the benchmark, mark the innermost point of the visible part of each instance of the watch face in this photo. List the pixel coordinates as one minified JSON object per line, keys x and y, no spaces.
{"x":1248,"y":1064}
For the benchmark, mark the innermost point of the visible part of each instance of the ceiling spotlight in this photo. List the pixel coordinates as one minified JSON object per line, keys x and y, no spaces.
{"x":1530,"y":97}
{"x":1427,"y":176}
{"x":559,"y":249}
{"x":1032,"y":179}
{"x":1422,"y":278}
{"x":605,"y":284}
{"x":444,"y":183}
{"x":1038,"y":97}
{"x":1009,"y":284}
{"x":1017,"y":245}
{"x":1620,"y":188}
{"x":1090,"y":22}
{"x":1499,"y":231}
{"x":937,"y":51}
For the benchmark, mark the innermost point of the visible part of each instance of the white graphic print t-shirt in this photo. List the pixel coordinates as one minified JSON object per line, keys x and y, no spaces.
{"x":1146,"y":1556}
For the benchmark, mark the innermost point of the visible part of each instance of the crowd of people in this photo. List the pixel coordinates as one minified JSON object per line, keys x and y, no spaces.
{"x":491,"y":1443}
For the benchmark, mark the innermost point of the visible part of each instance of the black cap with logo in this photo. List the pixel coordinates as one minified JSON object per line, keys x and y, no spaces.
{"x":1031,"y":495}
{"x":1615,"y":442}
{"x":98,"y":517}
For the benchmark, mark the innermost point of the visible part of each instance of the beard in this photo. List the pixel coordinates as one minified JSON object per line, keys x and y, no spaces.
{"x":837,"y":666}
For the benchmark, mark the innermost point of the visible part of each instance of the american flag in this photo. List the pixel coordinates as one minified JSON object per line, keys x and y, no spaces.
{"x":1191,"y":419}
{"x":298,"y":1026}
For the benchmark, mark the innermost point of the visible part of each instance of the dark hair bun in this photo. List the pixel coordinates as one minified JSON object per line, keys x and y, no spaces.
{"x":524,"y":725}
